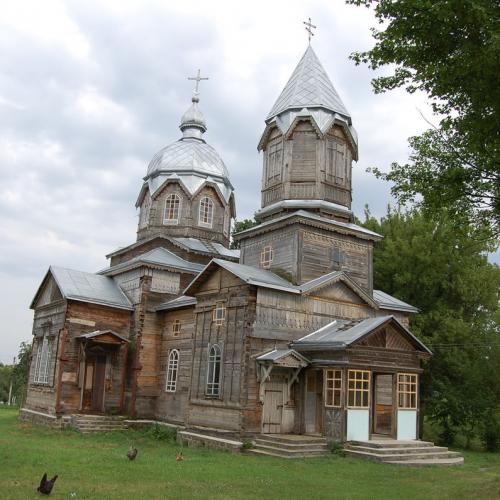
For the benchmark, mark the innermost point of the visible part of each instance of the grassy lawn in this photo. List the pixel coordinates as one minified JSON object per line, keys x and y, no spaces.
{"x":95,"y":466}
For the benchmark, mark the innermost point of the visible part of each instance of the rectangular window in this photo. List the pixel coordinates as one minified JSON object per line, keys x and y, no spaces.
{"x":172,"y":208}
{"x":219,"y":315}
{"x":330,"y":161}
{"x":266,"y":256}
{"x":358,"y":389}
{"x":176,"y":327}
{"x":333,"y":388}
{"x":42,"y":363}
{"x":274,"y":162}
{"x":407,"y":391}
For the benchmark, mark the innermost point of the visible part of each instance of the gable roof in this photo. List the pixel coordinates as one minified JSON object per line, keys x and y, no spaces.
{"x":86,"y":287}
{"x":248,"y":274}
{"x":386,"y":301}
{"x":157,"y":257}
{"x":279,"y":356}
{"x":340,"y":334}
{"x":100,"y":333}
{"x":309,"y":86}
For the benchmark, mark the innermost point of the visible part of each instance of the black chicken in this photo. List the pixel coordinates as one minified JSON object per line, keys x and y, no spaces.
{"x":131,"y":453}
{"x":46,"y":486}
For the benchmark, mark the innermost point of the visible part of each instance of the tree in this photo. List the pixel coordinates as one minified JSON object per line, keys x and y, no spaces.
{"x":449,"y":49}
{"x":241,"y":226}
{"x":425,"y":260}
{"x":5,"y":377}
{"x":20,"y":372}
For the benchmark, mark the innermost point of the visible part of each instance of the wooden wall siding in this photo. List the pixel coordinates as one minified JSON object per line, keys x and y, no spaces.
{"x":285,"y":247}
{"x":172,"y":406}
{"x":188,"y":218}
{"x":316,"y":256}
{"x":387,"y":337}
{"x":383,"y":358}
{"x":402,"y":317}
{"x":49,"y":294}
{"x":281,"y":315}
{"x":48,"y":318}
{"x":305,"y":166}
{"x":129,"y":282}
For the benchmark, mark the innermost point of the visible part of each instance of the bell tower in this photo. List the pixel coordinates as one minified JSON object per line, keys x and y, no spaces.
{"x":306,"y":225}
{"x":308,"y":147}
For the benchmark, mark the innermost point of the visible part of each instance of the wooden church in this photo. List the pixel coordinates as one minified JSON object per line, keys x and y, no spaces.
{"x":285,"y":336}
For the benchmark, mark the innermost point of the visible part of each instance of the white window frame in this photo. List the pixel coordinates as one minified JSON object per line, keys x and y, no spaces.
{"x":172,"y":371}
{"x":219,"y":313}
{"x":214,"y":370}
{"x":172,"y":209}
{"x":266,"y":256}
{"x":206,"y":212}
{"x":42,"y":363}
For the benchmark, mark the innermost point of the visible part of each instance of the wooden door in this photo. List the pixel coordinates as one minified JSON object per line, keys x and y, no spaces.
{"x":272,"y":412}
{"x":314,"y":402}
{"x":98,"y":384}
{"x":382,"y":418}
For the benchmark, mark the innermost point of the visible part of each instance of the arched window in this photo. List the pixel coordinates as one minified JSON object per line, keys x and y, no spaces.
{"x":266,"y":256}
{"x":172,"y":209}
{"x":213,"y":373}
{"x":206,"y":214}
{"x":172,"y":370}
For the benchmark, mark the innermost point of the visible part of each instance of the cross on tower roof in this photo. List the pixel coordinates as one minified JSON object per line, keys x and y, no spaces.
{"x":198,"y":79}
{"x":309,"y":28}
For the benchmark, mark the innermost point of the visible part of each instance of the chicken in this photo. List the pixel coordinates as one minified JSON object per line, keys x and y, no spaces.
{"x":132,"y":453}
{"x":46,"y":486}
{"x":179,"y":456}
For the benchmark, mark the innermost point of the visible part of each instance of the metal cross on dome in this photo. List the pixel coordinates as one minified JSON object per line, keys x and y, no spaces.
{"x":309,"y":28}
{"x":198,"y":79}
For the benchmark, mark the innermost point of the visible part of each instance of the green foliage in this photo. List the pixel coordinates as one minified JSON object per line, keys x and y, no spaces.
{"x":20,"y":373}
{"x":247,"y":444}
{"x":241,"y":226}
{"x":5,"y":378}
{"x":162,"y":433}
{"x":450,"y":50}
{"x":336,"y":448}
{"x":428,"y":262}
{"x":490,"y":435}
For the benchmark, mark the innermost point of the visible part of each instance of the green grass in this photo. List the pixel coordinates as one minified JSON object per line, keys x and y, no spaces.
{"x":95,"y":466}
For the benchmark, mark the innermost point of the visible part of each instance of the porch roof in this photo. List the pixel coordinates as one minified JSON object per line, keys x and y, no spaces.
{"x":110,"y":336}
{"x":340,"y":334}
{"x":288,"y":358}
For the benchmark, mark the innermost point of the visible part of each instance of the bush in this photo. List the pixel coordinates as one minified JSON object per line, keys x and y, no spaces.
{"x":247,"y":444}
{"x":446,"y":436}
{"x":490,"y":435}
{"x":163,"y":433}
{"x":337,"y":448}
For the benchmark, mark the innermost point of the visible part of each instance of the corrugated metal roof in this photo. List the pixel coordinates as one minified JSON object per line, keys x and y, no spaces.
{"x":309,"y":86}
{"x":342,"y":333}
{"x":158,"y":257}
{"x":277,"y":354}
{"x":209,"y":247}
{"x":98,"y":333}
{"x":386,"y":301}
{"x":177,"y":303}
{"x":313,"y":217}
{"x":88,"y":287}
{"x":303,"y":204}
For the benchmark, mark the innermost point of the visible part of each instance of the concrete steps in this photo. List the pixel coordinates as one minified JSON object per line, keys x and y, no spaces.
{"x":98,"y":423}
{"x":289,"y":446}
{"x":409,"y":453}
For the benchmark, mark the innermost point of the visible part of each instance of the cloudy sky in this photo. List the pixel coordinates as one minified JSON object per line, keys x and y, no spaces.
{"x":89,"y":91}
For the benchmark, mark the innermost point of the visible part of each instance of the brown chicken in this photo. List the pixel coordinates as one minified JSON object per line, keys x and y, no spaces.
{"x":46,"y":486}
{"x":179,"y":456}
{"x":132,"y":453}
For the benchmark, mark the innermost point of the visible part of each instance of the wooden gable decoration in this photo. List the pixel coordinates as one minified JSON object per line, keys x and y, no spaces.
{"x":389,"y":336}
{"x":47,"y":293}
{"x":338,"y":292}
{"x":291,"y":360}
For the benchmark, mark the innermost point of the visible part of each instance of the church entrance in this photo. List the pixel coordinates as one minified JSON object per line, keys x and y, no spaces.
{"x":93,"y":393}
{"x":272,"y":411}
{"x":383,"y":404}
{"x":313,"y":402}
